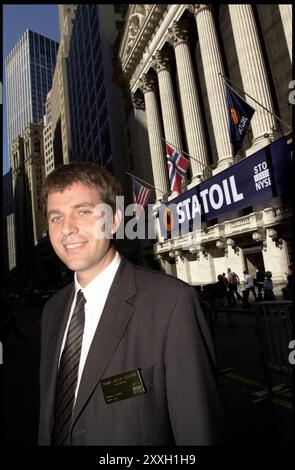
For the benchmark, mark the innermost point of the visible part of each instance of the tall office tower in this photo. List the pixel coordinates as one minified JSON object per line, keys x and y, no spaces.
{"x":47,"y":137}
{"x":96,"y":101}
{"x":35,"y":172}
{"x":96,"y":110}
{"x":8,"y":238}
{"x":22,"y":219}
{"x":57,"y":125}
{"x":66,"y":15}
{"x":29,"y":71}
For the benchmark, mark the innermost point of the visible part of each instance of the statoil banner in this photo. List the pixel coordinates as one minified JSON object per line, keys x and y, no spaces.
{"x":253,"y":180}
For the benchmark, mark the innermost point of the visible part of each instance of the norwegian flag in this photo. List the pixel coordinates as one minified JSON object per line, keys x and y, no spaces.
{"x":141,"y":196}
{"x":177,"y":168}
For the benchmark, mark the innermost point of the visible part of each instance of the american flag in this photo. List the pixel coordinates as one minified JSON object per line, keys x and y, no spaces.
{"x":177,"y":168}
{"x":141,"y":196}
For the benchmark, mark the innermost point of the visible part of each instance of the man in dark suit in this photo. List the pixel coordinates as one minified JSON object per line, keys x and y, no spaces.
{"x":143,"y":372}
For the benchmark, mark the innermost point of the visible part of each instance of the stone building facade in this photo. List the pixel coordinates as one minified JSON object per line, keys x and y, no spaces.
{"x":171,"y":63}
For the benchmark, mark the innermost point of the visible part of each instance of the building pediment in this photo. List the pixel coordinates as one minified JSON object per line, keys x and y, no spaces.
{"x":141,"y":23}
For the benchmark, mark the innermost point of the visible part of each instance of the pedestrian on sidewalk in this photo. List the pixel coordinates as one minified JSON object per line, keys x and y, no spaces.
{"x":219,"y":298}
{"x":268,"y":287}
{"x":233,"y":283}
{"x":249,"y":286}
{"x":259,"y":282}
{"x":228,"y":294}
{"x":290,"y":277}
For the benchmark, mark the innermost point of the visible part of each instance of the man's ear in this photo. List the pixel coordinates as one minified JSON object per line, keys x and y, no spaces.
{"x":116,"y":221}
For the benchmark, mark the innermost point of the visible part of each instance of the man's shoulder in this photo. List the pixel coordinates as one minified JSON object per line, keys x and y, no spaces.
{"x":150,"y":277}
{"x":234,"y":275}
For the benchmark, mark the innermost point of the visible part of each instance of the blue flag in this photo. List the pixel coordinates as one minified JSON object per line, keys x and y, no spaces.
{"x":239,"y":114}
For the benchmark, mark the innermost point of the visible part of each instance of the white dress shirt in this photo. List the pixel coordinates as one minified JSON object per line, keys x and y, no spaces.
{"x":95,"y":293}
{"x":248,"y":281}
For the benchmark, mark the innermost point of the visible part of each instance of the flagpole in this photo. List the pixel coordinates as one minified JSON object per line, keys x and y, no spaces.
{"x":251,"y":97}
{"x":145,"y":182}
{"x":182,"y":151}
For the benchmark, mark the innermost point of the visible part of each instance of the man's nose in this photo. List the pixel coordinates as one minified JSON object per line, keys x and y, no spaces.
{"x":69,"y":226}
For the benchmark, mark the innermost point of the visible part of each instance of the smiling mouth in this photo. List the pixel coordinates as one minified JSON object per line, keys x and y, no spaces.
{"x":73,"y":246}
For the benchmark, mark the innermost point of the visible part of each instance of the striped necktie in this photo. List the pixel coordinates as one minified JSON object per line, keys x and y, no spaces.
{"x":68,"y":374}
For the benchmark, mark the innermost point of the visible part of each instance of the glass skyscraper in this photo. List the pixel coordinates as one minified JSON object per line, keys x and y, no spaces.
{"x":29,"y":71}
{"x":94,"y":100}
{"x":88,"y":107}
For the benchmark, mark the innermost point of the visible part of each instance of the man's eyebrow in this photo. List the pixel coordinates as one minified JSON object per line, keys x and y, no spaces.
{"x":53,"y":211}
{"x":75,"y":206}
{"x":83,"y":204}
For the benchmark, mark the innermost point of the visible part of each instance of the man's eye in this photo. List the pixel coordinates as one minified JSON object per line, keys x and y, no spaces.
{"x":84,"y":212}
{"x":55,"y":219}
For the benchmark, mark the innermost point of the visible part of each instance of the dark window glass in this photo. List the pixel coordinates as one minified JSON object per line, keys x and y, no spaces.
{"x":87,"y":128}
{"x":42,"y":50}
{"x":93,"y":112}
{"x":95,"y":131}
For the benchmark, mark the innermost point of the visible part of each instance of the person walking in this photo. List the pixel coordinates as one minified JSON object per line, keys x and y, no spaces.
{"x":219,"y":293}
{"x":249,"y":286}
{"x":268,"y":287}
{"x":233,"y":282}
{"x":290,"y":277}
{"x":228,"y":294}
{"x":219,"y":297}
{"x":259,"y":282}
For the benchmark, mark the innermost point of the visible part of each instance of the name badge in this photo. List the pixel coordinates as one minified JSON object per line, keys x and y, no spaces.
{"x":121,"y":386}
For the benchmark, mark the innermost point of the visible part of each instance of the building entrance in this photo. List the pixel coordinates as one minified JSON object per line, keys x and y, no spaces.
{"x":253,"y":259}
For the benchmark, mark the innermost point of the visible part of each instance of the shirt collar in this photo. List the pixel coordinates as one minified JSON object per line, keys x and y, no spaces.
{"x":105,"y":278}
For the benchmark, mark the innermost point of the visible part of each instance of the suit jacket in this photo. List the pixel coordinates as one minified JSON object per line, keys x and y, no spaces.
{"x":153,"y":322}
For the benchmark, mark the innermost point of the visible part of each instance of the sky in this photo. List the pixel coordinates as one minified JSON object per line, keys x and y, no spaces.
{"x":42,"y":19}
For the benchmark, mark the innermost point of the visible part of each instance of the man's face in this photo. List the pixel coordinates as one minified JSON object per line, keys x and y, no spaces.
{"x":71,"y":222}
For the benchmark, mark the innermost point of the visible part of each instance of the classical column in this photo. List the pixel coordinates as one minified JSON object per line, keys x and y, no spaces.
{"x":154,"y":125}
{"x":212,"y":64}
{"x":161,"y":63}
{"x":253,"y":73}
{"x":189,"y":99}
{"x":286,"y":15}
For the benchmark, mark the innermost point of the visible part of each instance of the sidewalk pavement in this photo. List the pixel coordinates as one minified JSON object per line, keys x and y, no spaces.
{"x":252,"y":421}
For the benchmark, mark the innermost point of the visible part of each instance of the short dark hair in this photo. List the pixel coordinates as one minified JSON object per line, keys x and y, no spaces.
{"x":87,"y":173}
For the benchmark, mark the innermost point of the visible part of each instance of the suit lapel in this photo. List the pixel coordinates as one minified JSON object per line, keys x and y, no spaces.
{"x":115,"y":317}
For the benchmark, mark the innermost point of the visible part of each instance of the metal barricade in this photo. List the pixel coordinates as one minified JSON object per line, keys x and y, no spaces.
{"x":275,"y":332}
